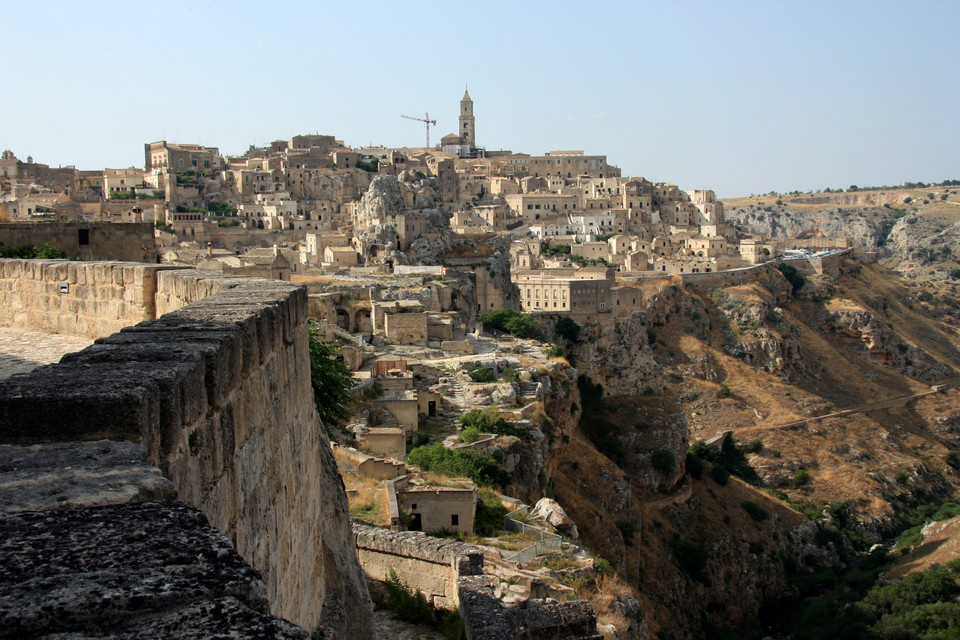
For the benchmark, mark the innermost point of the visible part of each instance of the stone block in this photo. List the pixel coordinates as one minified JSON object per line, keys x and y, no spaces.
{"x":78,"y":474}
{"x":156,"y":569}
{"x":78,"y":402}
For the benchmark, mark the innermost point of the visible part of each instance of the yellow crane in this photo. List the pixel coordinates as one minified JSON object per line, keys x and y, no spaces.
{"x":427,"y":121}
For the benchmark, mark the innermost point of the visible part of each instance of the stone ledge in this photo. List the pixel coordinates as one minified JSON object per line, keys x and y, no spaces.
{"x":466,"y":558}
{"x":71,"y":475}
{"x":155,"y":569}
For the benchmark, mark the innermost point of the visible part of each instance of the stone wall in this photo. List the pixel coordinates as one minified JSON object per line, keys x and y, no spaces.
{"x":406,"y":328}
{"x":218,"y":393}
{"x":433,"y":565}
{"x":132,"y":241}
{"x":90,"y":299}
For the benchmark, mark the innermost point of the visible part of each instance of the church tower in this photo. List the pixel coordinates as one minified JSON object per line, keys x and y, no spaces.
{"x":467,"y":131}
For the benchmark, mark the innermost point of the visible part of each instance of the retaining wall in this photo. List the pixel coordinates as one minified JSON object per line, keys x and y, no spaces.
{"x":218,"y":392}
{"x":433,"y":565}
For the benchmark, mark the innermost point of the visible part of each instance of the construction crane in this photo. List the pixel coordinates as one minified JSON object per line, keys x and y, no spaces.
{"x":426,"y":120}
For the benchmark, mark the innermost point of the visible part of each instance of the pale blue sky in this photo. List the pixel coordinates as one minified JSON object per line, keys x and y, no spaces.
{"x":739,"y":97}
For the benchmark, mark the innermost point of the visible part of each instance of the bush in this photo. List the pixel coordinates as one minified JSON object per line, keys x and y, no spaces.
{"x":724,"y":390}
{"x":755,"y":511}
{"x":567,"y":329}
{"x":953,"y":459}
{"x":690,"y":396}
{"x":694,"y":465}
{"x":755,"y":446}
{"x":489,"y":515}
{"x":470,"y":434}
{"x":627,"y":530}
{"x":480,"y":373}
{"x":553,"y":351}
{"x":481,"y":469}
{"x":663,"y":461}
{"x":800,"y":478}
{"x":330,"y":379}
{"x":793,"y":276}
{"x":407,"y":604}
{"x":720,"y":475}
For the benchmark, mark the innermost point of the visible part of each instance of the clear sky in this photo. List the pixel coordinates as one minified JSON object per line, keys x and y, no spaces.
{"x":738,"y":97}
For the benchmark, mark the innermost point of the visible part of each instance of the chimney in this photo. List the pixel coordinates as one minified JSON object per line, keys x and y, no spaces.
{"x":276,"y":249}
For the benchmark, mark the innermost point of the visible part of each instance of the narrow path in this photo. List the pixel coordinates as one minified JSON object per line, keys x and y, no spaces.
{"x":23,"y":350}
{"x":873,"y":406}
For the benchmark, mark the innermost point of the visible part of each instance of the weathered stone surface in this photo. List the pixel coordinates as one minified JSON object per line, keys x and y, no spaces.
{"x":556,"y":517}
{"x":78,"y":474}
{"x":566,"y":620}
{"x":483,"y":618}
{"x":217,"y":393}
{"x":130,"y":570}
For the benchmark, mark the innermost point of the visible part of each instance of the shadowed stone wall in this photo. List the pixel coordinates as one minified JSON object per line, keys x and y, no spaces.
{"x":217,"y":392}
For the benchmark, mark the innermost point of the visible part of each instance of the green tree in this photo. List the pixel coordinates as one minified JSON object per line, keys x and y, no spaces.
{"x":793,"y":276}
{"x":331,"y":380}
{"x":567,"y":329}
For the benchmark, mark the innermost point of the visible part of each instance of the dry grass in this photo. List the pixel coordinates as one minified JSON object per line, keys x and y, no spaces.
{"x":940,"y":546}
{"x":369,"y":504}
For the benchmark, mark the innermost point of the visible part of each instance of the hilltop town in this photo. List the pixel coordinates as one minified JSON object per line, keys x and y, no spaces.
{"x":574,"y":329}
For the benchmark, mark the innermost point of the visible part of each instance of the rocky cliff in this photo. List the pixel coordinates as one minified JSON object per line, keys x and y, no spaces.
{"x":705,"y":552}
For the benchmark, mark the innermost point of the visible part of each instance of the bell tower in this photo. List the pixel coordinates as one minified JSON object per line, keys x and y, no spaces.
{"x":468,"y":132}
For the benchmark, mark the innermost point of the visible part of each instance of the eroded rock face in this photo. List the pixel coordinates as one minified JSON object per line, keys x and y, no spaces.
{"x":155,"y":569}
{"x":379,"y":219}
{"x":883,"y":345}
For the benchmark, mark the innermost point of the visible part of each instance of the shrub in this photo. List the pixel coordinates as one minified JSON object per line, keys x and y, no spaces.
{"x":720,"y":475}
{"x":489,"y":515}
{"x":690,"y":396}
{"x":480,"y":373}
{"x":663,"y":460}
{"x":793,"y":276}
{"x":470,"y":434}
{"x":512,"y":322}
{"x":755,"y":446}
{"x":480,"y":468}
{"x":724,"y":390}
{"x":627,"y":530}
{"x":407,"y":604}
{"x":694,"y":465}
{"x":331,"y":380}
{"x":755,"y":511}
{"x":800,"y":478}
{"x":510,"y":374}
{"x":953,"y":459}
{"x":553,"y":351}
{"x":567,"y":329}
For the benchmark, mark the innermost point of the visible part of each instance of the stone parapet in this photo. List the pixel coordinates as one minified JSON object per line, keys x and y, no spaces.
{"x":91,"y":299}
{"x":430,"y":564}
{"x":148,"y":570}
{"x":217,"y":393}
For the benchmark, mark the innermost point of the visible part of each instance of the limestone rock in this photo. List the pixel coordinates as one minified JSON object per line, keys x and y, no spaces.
{"x":553,"y":513}
{"x":154,"y":569}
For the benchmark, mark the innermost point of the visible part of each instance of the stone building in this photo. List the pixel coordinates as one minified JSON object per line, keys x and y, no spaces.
{"x":177,"y":157}
{"x":437,"y":508}
{"x":581,"y":291}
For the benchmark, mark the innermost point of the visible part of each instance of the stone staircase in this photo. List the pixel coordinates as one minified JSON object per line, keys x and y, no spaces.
{"x":527,"y":390}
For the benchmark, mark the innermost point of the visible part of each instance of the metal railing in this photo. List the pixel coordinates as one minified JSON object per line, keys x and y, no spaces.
{"x":546,"y":542}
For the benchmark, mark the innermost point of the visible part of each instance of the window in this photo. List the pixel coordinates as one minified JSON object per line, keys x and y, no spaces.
{"x":454,"y":520}
{"x":83,"y":237}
